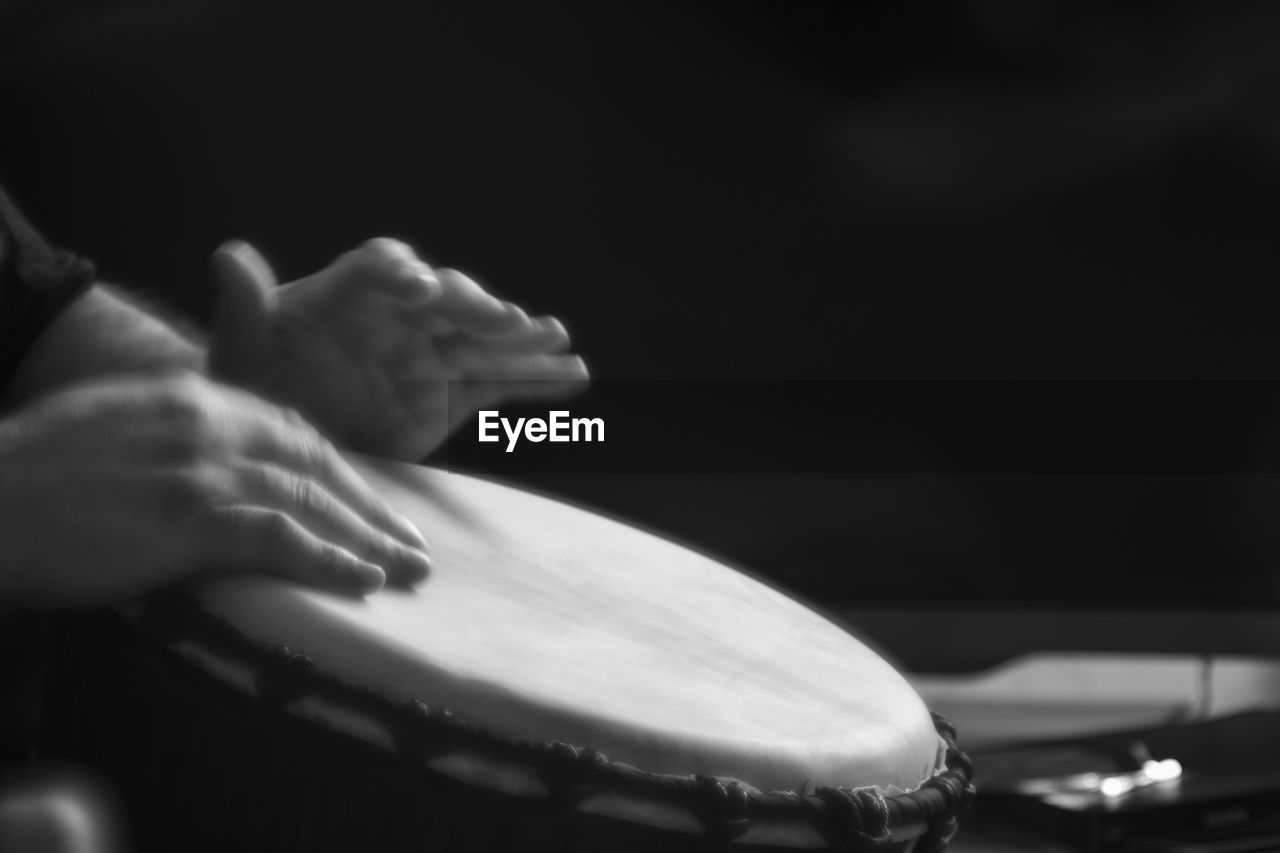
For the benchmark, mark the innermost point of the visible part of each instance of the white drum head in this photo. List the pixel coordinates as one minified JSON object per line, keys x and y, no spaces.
{"x":547,"y":622}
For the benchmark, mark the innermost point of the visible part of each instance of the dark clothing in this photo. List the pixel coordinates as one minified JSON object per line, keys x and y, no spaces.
{"x":36,"y":282}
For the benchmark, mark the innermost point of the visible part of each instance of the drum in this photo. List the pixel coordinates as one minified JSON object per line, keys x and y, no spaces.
{"x":561,"y":682}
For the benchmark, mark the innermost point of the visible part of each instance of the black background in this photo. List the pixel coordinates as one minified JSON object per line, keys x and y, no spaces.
{"x":742,"y":191}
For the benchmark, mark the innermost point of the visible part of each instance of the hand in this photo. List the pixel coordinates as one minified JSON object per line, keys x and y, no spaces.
{"x":115,"y":488}
{"x":366,"y":348}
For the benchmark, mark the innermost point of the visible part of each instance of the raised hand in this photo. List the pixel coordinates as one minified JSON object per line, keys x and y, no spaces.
{"x":366,"y":348}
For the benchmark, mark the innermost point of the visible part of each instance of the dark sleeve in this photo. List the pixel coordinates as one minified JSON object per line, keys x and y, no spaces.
{"x":36,"y":282}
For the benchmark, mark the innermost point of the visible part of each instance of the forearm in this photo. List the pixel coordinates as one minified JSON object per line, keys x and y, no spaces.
{"x":104,"y":331}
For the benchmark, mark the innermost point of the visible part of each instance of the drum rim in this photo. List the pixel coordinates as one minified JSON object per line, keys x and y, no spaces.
{"x":726,"y":808}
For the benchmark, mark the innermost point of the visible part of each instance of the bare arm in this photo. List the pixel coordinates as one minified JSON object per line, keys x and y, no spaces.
{"x":311,"y":345}
{"x":103,"y":332}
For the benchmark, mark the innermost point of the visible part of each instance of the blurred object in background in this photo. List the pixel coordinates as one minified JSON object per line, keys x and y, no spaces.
{"x":60,"y":808}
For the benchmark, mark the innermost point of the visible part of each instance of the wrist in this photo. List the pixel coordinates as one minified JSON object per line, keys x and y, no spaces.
{"x":105,"y":331}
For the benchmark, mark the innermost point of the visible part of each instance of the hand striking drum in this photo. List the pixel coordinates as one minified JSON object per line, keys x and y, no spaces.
{"x":563,"y":681}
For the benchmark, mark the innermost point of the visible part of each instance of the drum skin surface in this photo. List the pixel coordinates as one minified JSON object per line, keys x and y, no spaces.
{"x":547,"y":622}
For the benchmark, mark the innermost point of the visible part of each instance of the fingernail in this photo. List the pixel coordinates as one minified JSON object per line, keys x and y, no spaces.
{"x":417,"y":566}
{"x":367,"y":577}
{"x":410,"y":532}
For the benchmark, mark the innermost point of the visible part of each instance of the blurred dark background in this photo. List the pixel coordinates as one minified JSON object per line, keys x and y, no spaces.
{"x":784,"y":189}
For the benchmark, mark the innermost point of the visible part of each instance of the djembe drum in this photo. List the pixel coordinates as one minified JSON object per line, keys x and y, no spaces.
{"x":561,"y":682}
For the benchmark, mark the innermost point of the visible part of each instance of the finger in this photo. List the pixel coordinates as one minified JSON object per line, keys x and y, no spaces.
{"x":284,"y":438}
{"x":469,"y":307}
{"x":337,"y":475}
{"x":389,"y":266}
{"x":547,"y":366}
{"x":244,"y":284}
{"x":248,"y":258}
{"x":316,"y":509}
{"x":380,"y":250}
{"x":249,"y":538}
{"x":543,"y":335}
{"x":426,"y":361}
{"x":549,"y":335}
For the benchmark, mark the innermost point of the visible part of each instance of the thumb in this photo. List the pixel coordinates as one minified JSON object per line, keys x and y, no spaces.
{"x":245,"y":287}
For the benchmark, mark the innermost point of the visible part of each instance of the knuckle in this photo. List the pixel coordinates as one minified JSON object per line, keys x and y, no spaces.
{"x":183,"y":378}
{"x":387,"y":247}
{"x":458,"y":283}
{"x":310,"y":497}
{"x":275,"y":527}
{"x":183,"y":409}
{"x":314,"y":453}
{"x":383,"y":254}
{"x":178,"y":397}
{"x":295,"y":420}
{"x":381,"y":542}
{"x":185,"y":390}
{"x":309,"y":440}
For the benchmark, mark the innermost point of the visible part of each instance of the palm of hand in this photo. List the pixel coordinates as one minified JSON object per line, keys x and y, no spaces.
{"x":371,"y":348}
